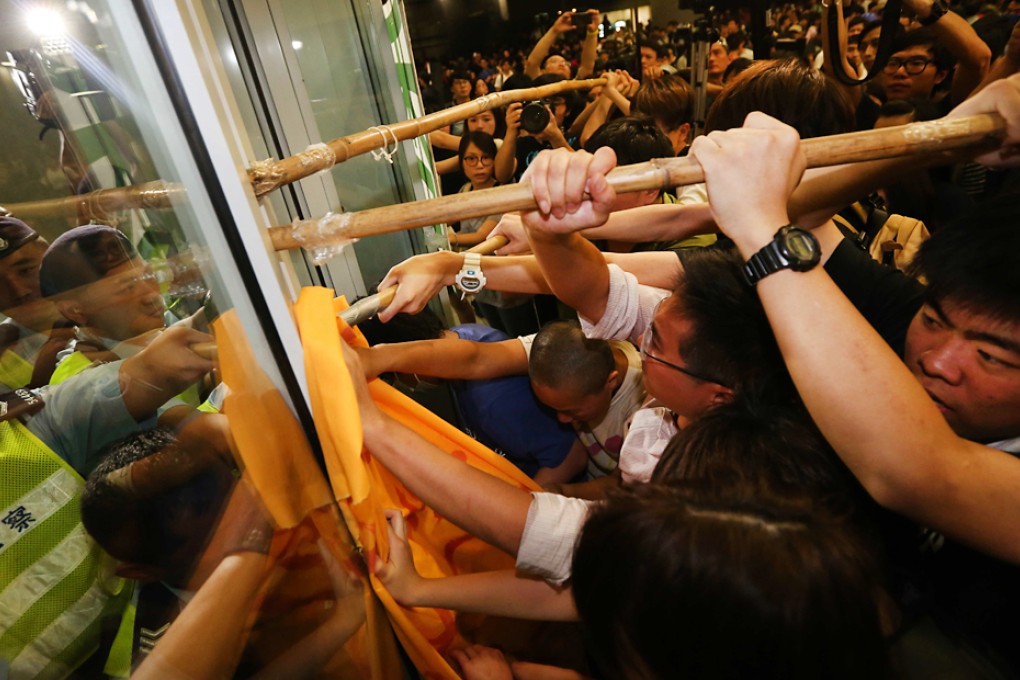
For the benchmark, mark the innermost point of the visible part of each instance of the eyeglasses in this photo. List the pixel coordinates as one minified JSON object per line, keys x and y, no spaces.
{"x":647,"y":340}
{"x":486,"y":161}
{"x":912,"y":65}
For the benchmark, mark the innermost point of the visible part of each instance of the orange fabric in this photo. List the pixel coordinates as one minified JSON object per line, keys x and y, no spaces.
{"x":274,"y":452}
{"x":366,"y":488}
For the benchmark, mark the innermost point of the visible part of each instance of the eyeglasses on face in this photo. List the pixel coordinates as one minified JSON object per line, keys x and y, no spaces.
{"x":475,"y":160}
{"x":912,"y":65}
{"x":648,"y":341}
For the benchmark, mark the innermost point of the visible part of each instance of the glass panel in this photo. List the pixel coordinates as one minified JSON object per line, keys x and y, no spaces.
{"x":122,"y":304}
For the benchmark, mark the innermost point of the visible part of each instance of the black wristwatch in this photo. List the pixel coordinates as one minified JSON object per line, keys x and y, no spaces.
{"x":791,"y":248}
{"x":938,"y":10}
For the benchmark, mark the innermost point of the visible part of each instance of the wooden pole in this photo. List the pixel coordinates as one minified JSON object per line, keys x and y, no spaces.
{"x":368,"y":307}
{"x":270,"y":174}
{"x":984,"y":130}
{"x":99,"y":205}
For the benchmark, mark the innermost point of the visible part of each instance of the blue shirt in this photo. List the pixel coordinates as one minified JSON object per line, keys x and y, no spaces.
{"x":505,"y":415}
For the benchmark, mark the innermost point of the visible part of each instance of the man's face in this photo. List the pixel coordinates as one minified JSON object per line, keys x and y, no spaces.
{"x":648,"y":58}
{"x":718,"y":60}
{"x":557,"y":64}
{"x":853,"y":53}
{"x":681,"y":393}
{"x":854,"y":30}
{"x":869,"y":47}
{"x":572,"y":406}
{"x":969,"y":363}
{"x":482,"y":122}
{"x":19,"y":276}
{"x":898,"y":84}
{"x":123,"y":304}
{"x":461,"y":88}
{"x":20,"y":298}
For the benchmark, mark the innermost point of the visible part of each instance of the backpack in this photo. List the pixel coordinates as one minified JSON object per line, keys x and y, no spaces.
{"x":892,"y":240}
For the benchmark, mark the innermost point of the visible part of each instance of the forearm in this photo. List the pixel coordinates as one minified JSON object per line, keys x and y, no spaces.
{"x":660,"y":222}
{"x":497,"y":593}
{"x":572,"y":465}
{"x":506,"y":159}
{"x":619,"y":100}
{"x":448,"y":165}
{"x":206,"y":639}
{"x":587,"y":65}
{"x":972,"y":54}
{"x":484,"y":506}
{"x":474,"y":238}
{"x":580,"y":123}
{"x":444,"y":140}
{"x":575,"y":270}
{"x":533,"y":65}
{"x":1003,"y":67}
{"x":598,"y":115}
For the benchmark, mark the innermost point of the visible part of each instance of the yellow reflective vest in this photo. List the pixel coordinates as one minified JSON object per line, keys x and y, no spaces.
{"x":56,"y":584}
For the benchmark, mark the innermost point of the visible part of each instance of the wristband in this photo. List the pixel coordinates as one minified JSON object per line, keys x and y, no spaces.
{"x":470,"y":279}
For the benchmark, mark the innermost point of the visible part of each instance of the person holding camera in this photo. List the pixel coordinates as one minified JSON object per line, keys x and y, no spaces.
{"x":530,"y":128}
{"x":541,"y":62}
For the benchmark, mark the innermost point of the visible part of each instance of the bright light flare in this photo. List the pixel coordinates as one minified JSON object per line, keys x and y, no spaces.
{"x":45,"y":22}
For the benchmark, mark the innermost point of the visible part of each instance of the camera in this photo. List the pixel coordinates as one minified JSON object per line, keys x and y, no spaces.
{"x":581,"y":18}
{"x":534,"y":117}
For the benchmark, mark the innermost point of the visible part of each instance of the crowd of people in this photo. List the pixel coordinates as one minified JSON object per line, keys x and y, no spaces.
{"x":775,"y":415}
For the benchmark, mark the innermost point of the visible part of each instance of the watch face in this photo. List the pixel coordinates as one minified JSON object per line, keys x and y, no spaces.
{"x":802,"y":249}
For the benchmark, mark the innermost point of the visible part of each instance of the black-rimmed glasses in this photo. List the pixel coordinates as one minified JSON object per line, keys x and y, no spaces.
{"x":647,"y":341}
{"x":912,"y":65}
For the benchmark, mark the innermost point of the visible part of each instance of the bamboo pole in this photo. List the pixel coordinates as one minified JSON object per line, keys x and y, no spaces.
{"x":98,"y":205}
{"x":368,"y":307}
{"x":270,"y":174}
{"x":983,"y":130}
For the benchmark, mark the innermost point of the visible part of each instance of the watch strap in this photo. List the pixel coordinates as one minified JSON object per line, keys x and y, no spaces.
{"x":938,"y":10}
{"x":470,"y":279}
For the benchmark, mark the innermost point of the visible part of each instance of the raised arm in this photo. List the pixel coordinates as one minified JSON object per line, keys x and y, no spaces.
{"x":533,"y":64}
{"x":591,"y":41}
{"x":894,"y":439}
{"x":972,"y":54}
{"x":449,"y":358}
{"x":506,"y":157}
{"x":572,"y":265}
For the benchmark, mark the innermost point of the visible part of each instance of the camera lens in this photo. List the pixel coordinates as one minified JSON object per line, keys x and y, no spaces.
{"x":534,"y":117}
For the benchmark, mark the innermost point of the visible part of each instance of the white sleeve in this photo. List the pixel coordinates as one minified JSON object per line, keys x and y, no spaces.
{"x":550,"y":535}
{"x":628,"y":310}
{"x":527,"y":341}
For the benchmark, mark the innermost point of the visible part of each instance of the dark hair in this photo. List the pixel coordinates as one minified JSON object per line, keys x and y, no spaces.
{"x":789,"y":91}
{"x":667,"y":99}
{"x":661,"y":50}
{"x":925,"y":37}
{"x":678,"y":581}
{"x":462,"y":75}
{"x":635,"y":139}
{"x":81,"y":256}
{"x":735,"y":68}
{"x":758,"y":443}
{"x":973,"y":263}
{"x":165,"y":528}
{"x":483,"y":140}
{"x":562,"y":356}
{"x":730,"y":337}
{"x":735,"y":40}
{"x":403,"y":327}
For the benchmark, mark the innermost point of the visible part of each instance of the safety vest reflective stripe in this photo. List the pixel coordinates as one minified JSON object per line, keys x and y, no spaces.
{"x":44,"y":574}
{"x":56,"y":637}
{"x":41,"y":502}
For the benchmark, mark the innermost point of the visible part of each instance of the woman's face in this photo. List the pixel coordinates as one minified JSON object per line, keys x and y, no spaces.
{"x":483,"y":122}
{"x":481,"y":88}
{"x":477,"y":166}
